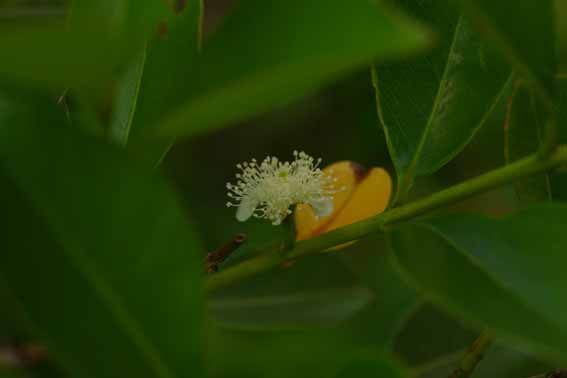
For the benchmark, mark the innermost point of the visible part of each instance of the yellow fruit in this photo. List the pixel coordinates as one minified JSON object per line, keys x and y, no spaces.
{"x":366,"y":193}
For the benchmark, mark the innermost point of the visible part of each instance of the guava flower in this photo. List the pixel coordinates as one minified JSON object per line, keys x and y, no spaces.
{"x":268,"y":190}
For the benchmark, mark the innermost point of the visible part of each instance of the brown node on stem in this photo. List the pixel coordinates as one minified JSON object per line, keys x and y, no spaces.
{"x":218,"y":256}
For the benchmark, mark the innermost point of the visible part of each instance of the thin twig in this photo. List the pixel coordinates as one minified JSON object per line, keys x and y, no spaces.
{"x":472,"y":356}
{"x":215,"y":258}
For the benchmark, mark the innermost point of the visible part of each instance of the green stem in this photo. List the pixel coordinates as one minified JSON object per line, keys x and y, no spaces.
{"x":525,"y":167}
{"x":472,"y":356}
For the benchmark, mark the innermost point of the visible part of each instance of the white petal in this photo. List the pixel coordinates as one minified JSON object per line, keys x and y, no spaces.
{"x":322,"y":208}
{"x":245,"y":209}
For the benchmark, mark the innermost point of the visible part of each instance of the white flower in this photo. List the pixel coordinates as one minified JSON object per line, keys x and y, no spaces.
{"x":268,"y":190}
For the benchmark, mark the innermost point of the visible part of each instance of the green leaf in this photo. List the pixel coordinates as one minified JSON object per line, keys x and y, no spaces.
{"x":460,"y":82}
{"x":303,"y":309}
{"x":525,"y":33}
{"x":126,"y":101}
{"x":270,"y":53}
{"x":445,"y":335}
{"x":77,"y":46}
{"x":393,"y":300}
{"x":370,"y":366}
{"x":524,"y":133}
{"x":523,"y":136}
{"x":12,"y":326}
{"x":98,"y":253}
{"x":506,"y":275}
{"x":322,"y":353}
{"x":156,"y":81}
{"x":13,"y":373}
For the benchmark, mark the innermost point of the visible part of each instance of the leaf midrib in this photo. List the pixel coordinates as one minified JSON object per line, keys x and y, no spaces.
{"x":410,"y":171}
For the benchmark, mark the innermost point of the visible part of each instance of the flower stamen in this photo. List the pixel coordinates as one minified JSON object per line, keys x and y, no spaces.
{"x":269,"y":189}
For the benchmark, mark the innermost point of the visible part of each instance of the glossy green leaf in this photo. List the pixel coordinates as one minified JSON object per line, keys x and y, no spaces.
{"x":431,"y":107}
{"x":267,"y":54}
{"x":524,"y":30}
{"x":507,"y":275}
{"x":523,"y":133}
{"x":97,"y":252}
{"x":57,"y":46}
{"x":316,"y":308}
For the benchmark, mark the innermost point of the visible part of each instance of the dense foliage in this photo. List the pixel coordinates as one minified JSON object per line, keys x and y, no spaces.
{"x":121,"y":122}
